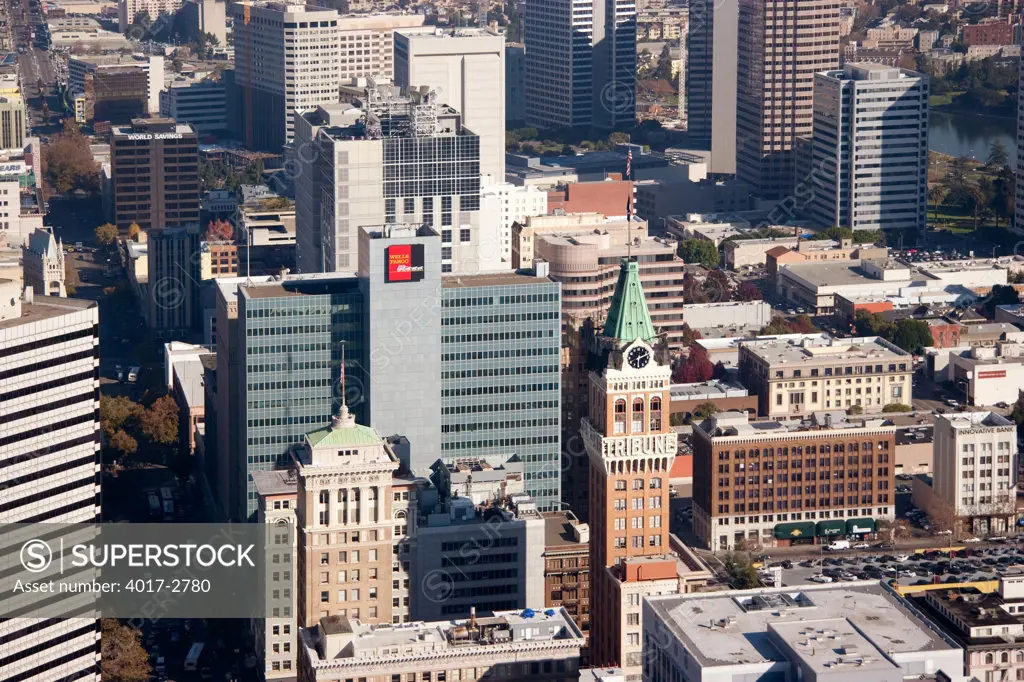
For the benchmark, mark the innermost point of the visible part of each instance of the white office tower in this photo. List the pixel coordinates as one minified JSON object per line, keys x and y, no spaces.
{"x":711,"y":53}
{"x":467,"y":70}
{"x":396,"y":159}
{"x":368,"y":43}
{"x":501,"y":205}
{"x":49,"y":461}
{"x":287,"y":60}
{"x":870,"y":148}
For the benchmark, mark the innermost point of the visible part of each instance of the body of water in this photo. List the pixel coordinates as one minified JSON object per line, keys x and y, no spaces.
{"x":971,"y":135}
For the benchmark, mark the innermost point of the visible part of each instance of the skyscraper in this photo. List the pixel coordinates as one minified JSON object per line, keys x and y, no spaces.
{"x":580,"y":63}
{"x":631,"y":449}
{"x":712,"y":46}
{"x":155,"y":173}
{"x":289,"y":334}
{"x":783,"y":43}
{"x":467,"y":67}
{"x":500,"y":340}
{"x":49,"y":460}
{"x":287,"y":60}
{"x":870,"y":144}
{"x":400,"y":159}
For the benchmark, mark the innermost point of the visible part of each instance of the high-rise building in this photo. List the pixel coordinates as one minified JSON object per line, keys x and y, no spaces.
{"x":287,"y":60}
{"x":515,"y":82}
{"x":172,"y":306}
{"x":974,"y":472}
{"x":12,"y":121}
{"x":712,"y":46}
{"x":155,"y":173}
{"x":344,"y":520}
{"x":580,"y":63}
{"x":467,"y":69}
{"x":201,"y":105}
{"x":129,"y":10}
{"x":288,"y":337}
{"x":400,"y":382}
{"x":114,"y":87}
{"x":870,"y":144}
{"x":631,"y":448}
{"x":368,"y":43}
{"x":400,"y":159}
{"x":277,"y":634}
{"x":205,"y":16}
{"x":733,"y":510}
{"x":559,"y":63}
{"x":783,"y":44}
{"x":49,"y":460}
{"x":44,"y":264}
{"x":500,"y":349}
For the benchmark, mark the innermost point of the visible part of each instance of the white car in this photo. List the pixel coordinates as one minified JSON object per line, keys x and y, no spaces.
{"x":902,"y":557}
{"x":862,"y":545}
{"x":972,"y":540}
{"x":908,"y":574}
{"x":819,"y":578}
{"x":944,"y":532}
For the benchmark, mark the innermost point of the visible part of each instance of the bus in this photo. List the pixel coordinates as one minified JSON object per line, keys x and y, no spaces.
{"x":192,"y":660}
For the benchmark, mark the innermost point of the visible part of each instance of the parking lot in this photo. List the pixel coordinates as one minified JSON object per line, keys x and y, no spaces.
{"x":967,"y":565}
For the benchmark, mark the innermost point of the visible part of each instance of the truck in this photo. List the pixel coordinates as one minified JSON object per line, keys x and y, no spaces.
{"x":838,"y":545}
{"x":133,"y":374}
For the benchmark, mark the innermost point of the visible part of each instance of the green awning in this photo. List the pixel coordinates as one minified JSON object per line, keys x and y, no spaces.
{"x":790,"y":531}
{"x":860,"y":526}
{"x":830,"y":528}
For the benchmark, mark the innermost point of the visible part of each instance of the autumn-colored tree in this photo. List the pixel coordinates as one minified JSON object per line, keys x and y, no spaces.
{"x":134,"y":230}
{"x":801,"y":324}
{"x":122,"y":657}
{"x":106,"y":234}
{"x":705,"y":410}
{"x":219,"y":231}
{"x":160,"y":422}
{"x":69,"y":163}
{"x":748,"y":291}
{"x":117,"y":412}
{"x":695,"y":368}
{"x":689,"y":335}
{"x":124,"y":443}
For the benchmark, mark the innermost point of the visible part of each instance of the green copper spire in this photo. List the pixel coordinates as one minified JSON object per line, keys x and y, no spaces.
{"x":628,"y":317}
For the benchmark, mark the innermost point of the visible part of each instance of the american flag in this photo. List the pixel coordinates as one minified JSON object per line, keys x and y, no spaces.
{"x":629,"y":164}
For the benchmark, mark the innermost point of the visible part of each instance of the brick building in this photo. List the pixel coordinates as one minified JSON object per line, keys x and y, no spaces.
{"x":998,"y":32}
{"x":771,"y":483}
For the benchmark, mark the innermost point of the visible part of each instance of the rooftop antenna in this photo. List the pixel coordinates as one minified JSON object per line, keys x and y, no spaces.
{"x":342,"y":418}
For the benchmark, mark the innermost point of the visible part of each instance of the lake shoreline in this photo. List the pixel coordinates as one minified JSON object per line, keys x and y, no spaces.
{"x":958,"y":133}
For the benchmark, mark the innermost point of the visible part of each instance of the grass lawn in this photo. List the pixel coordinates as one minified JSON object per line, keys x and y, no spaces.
{"x":945,"y":99}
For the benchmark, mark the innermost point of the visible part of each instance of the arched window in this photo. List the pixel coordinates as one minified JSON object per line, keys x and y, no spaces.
{"x":1005,"y":658}
{"x":638,"y":415}
{"x":1020,"y":656}
{"x":620,"y":416}
{"x":655,"y":414}
{"x":989,"y":659}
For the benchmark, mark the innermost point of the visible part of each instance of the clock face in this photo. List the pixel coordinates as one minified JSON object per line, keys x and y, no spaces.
{"x":638,"y":357}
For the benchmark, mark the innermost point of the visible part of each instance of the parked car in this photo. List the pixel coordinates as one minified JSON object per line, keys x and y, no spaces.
{"x":819,"y":578}
{"x":971,"y":540}
{"x":862,"y":545}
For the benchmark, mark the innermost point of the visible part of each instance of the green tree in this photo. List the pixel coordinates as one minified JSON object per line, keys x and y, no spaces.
{"x":1001,"y":294}
{"x":855,"y":409}
{"x":699,"y":251}
{"x":912,"y":335}
{"x":121,"y":654}
{"x":936,"y":195}
{"x":776,"y":327}
{"x":997,"y":156}
{"x":897,"y":407}
{"x":742,"y":574}
{"x":106,"y":234}
{"x":664,"y":69}
{"x":705,"y":410}
{"x":835,"y":233}
{"x":160,"y":422}
{"x":869,"y":237}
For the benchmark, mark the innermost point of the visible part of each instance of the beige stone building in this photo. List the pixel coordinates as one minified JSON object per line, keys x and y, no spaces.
{"x":795,"y":377}
{"x":345,"y":523}
{"x":524,"y":234}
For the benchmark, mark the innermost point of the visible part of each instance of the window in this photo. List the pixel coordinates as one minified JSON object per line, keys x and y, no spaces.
{"x":620,"y":484}
{"x":638,"y":484}
{"x":655,"y":418}
{"x":620,"y":416}
{"x":638,"y":415}
{"x":632,"y":619}
{"x":325,"y":597}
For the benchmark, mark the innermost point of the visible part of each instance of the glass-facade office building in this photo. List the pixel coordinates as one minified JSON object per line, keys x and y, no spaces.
{"x":292,"y":334}
{"x":500,"y":340}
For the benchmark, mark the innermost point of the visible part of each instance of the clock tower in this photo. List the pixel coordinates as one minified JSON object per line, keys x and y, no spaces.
{"x":631,"y":448}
